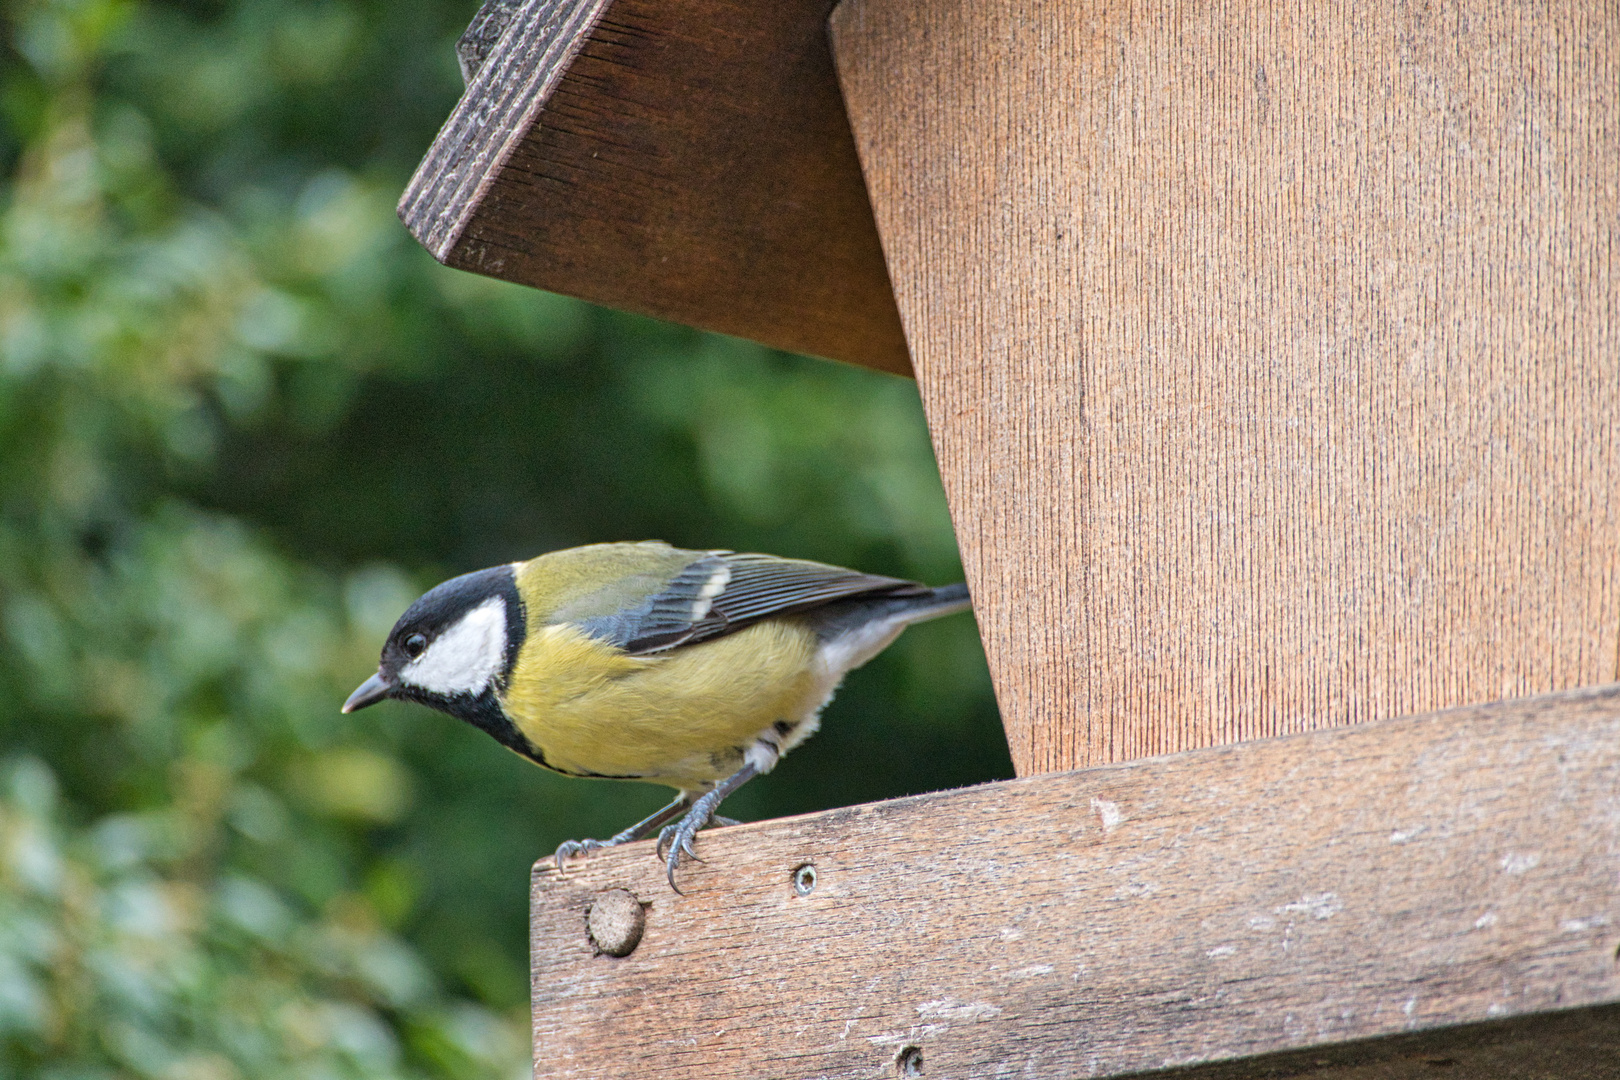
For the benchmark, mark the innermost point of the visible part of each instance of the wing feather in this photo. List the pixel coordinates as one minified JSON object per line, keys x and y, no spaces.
{"x":722,"y":592}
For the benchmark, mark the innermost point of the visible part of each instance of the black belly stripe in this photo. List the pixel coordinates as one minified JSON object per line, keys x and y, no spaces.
{"x":538,"y":758}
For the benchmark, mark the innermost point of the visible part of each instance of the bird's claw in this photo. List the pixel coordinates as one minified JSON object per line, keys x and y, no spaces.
{"x":668,"y":834}
{"x":574,"y":849}
{"x":677,"y":837}
{"x":684,"y":830}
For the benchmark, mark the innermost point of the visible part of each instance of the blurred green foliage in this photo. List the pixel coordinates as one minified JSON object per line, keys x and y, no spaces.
{"x":244,"y":420}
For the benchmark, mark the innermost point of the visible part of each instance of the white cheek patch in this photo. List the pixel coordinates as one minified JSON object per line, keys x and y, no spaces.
{"x":466,"y":657}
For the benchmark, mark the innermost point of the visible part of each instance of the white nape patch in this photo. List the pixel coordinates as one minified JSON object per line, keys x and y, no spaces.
{"x":712,"y":588}
{"x":466,"y":657}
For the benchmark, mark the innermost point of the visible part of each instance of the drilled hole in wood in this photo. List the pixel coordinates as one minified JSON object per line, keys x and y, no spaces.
{"x":909,"y":1063}
{"x":804,"y":879}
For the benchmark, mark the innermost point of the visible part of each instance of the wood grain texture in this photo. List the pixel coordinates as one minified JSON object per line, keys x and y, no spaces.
{"x":1270,"y":349}
{"x":479,"y":39}
{"x":1295,"y":897}
{"x":686,"y":160}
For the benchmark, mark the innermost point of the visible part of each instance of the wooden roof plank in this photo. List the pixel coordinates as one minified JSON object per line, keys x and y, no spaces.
{"x":692,"y":162}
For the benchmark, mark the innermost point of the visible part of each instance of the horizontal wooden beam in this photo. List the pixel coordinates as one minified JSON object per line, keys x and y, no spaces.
{"x":1368,"y":901}
{"x":689,"y":160}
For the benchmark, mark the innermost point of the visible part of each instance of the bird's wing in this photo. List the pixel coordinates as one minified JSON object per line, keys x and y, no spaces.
{"x":722,"y":592}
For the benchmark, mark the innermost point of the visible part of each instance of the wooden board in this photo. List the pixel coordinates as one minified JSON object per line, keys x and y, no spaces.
{"x":1271,"y":906}
{"x":686,"y":160}
{"x":1271,"y":349}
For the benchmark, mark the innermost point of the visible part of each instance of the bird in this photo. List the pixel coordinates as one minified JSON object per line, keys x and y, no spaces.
{"x":641,"y":661}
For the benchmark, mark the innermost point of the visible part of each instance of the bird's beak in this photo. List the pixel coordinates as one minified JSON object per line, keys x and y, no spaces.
{"x":369,"y":692}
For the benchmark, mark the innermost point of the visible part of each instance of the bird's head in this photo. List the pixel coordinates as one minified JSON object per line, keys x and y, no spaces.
{"x":453,"y":648}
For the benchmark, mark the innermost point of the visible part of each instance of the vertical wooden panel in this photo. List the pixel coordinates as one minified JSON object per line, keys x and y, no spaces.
{"x":1270,"y":348}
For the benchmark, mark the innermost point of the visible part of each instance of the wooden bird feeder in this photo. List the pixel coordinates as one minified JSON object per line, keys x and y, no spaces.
{"x":1271,"y":353}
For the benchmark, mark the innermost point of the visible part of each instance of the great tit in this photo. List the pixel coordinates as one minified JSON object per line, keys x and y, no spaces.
{"x":642,"y":661}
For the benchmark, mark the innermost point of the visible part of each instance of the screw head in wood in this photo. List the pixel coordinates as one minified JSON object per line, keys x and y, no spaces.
{"x":615,"y":921}
{"x":804,"y":879}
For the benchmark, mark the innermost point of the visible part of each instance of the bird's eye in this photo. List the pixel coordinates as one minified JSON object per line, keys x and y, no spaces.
{"x":414,"y":645}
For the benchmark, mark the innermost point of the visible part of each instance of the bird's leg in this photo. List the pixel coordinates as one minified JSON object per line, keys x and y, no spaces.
{"x":568,"y":849}
{"x":679,"y":836}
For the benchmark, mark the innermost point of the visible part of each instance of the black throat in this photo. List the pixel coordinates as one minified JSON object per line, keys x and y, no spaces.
{"x":484,"y":712}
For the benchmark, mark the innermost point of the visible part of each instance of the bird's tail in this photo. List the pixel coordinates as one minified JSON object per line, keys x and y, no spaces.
{"x":855,"y":630}
{"x":945,"y":600}
{"x":880,"y":617}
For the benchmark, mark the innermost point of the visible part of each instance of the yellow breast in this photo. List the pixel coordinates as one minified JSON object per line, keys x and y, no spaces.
{"x":684,"y":717}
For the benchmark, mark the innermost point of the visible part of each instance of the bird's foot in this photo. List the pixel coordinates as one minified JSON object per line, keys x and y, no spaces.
{"x":678,"y":837}
{"x":668,"y":832}
{"x":576,"y":849}
{"x":569,"y":850}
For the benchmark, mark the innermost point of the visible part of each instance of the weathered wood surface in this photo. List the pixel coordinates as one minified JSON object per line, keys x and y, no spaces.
{"x":479,"y":39}
{"x":689,"y":160}
{"x":1293,"y":897}
{"x":1271,"y":349}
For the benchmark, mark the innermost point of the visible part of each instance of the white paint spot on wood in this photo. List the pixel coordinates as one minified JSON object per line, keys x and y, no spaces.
{"x":1582,"y":926}
{"x":1180,"y":1061}
{"x":1486,"y":920}
{"x":916,"y":1034}
{"x":1108,"y":813}
{"x":1520,"y":862}
{"x":1317,"y":906}
{"x":952,"y":1009}
{"x":1401,"y":836}
{"x":1032,"y":971}
{"x":1261,"y":922}
{"x":1221,"y":950}
{"x":1011,"y":933}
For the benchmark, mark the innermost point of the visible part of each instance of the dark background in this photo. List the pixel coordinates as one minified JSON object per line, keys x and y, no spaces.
{"x":244,"y":420}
